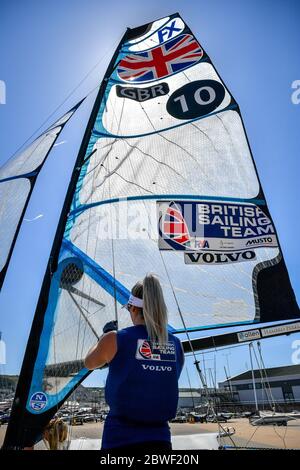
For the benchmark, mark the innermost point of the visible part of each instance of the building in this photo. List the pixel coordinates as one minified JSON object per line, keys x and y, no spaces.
{"x":278,"y":384}
{"x":198,"y":398}
{"x":189,"y":398}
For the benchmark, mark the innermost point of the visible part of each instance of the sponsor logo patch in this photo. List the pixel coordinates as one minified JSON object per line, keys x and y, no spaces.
{"x":154,"y":351}
{"x":274,"y":330}
{"x":218,"y":258}
{"x":248,"y":335}
{"x":204,"y":226}
{"x":38,"y":401}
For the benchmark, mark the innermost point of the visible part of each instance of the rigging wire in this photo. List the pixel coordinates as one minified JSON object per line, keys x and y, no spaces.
{"x":221,"y":348}
{"x":112,"y":47}
{"x":273,"y":402}
{"x":263,"y":368}
{"x":190,"y":385}
{"x":263,"y":388}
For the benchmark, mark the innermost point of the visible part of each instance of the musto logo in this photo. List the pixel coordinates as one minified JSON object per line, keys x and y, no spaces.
{"x":145,"y":350}
{"x":38,"y":401}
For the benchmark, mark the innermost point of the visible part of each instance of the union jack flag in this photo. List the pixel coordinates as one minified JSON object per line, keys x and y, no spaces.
{"x":145,"y":350}
{"x":173,"y":56}
{"x":174,"y":225}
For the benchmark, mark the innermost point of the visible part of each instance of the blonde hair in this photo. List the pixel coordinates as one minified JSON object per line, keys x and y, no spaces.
{"x":154,"y":307}
{"x":55,"y":433}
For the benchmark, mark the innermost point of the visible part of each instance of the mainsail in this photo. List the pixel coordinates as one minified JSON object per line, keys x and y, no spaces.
{"x":164,"y":182}
{"x":17,"y":180}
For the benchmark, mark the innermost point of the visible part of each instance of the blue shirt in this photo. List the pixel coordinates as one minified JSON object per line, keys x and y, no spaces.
{"x":141,"y":388}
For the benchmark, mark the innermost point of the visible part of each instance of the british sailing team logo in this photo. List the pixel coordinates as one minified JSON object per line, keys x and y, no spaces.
{"x":173,"y":228}
{"x":145,"y":350}
{"x":173,"y":56}
{"x":154,"y":351}
{"x":216,"y":227}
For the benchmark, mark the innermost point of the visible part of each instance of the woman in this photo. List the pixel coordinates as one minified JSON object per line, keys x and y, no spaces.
{"x":55,"y":434}
{"x":145,"y":362}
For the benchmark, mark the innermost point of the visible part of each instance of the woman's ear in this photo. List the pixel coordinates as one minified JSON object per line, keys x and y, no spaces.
{"x":135,"y":310}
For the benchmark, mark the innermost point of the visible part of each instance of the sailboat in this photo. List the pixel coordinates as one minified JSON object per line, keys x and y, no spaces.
{"x":265,"y":417}
{"x":164,"y":181}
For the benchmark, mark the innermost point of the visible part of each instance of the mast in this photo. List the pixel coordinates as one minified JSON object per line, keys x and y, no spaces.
{"x":23,"y":430}
{"x":188,"y":376}
{"x":253,"y":378}
{"x":229,"y":383}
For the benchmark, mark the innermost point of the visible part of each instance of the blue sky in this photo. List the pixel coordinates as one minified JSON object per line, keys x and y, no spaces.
{"x":49,"y":47}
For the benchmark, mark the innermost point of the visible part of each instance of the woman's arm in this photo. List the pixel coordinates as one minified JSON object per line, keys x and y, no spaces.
{"x":103,"y":352}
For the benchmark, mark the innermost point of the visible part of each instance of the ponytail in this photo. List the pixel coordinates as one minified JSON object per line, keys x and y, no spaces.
{"x":154,"y":307}
{"x":55,"y":433}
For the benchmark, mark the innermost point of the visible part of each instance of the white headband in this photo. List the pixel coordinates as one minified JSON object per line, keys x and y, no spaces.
{"x":135,"y":301}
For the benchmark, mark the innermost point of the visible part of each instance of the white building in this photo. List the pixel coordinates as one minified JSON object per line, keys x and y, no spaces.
{"x":189,"y":398}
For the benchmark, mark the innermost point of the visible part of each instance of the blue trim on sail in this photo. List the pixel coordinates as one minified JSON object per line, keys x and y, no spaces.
{"x":105,"y":280}
{"x":49,"y":320}
{"x":105,"y":133}
{"x":25,"y":175}
{"x":84,"y":207}
{"x":217,"y":325}
{"x":100,"y":275}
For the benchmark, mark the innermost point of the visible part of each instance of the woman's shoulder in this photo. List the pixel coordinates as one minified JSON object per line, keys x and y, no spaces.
{"x":131,"y":330}
{"x":128,"y":336}
{"x":125,"y":331}
{"x":174,"y":338}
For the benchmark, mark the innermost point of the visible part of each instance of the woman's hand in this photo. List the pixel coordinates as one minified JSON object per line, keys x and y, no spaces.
{"x":110,"y":326}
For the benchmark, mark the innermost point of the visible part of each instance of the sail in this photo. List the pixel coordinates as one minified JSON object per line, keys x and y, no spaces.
{"x":17,"y":179}
{"x":164,"y":182}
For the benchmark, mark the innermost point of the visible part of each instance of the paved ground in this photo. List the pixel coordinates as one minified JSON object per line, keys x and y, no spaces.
{"x":246,"y":434}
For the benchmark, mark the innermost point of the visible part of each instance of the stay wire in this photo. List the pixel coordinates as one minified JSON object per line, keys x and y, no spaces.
{"x":264,"y":388}
{"x":265,"y":373}
{"x":66,"y":98}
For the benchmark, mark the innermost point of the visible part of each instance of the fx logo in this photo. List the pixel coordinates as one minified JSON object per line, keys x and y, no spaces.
{"x":168,"y":31}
